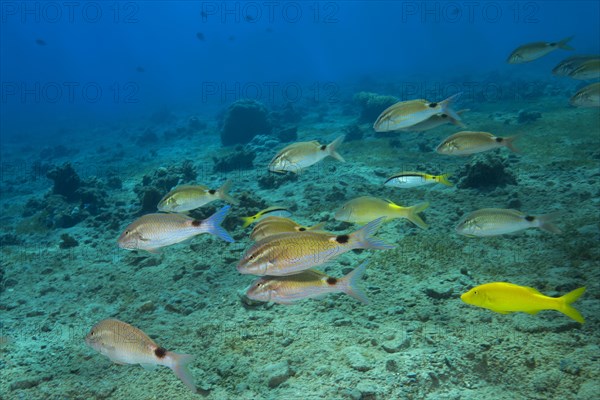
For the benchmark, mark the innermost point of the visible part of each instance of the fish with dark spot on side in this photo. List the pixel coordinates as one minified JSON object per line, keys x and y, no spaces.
{"x":291,"y":253}
{"x":274,"y":225}
{"x":468,"y":142}
{"x":298,"y":156}
{"x":532,"y":51}
{"x":123,"y":343}
{"x":189,"y":197}
{"x":407,"y":114}
{"x":499,"y":221}
{"x":306,"y":284}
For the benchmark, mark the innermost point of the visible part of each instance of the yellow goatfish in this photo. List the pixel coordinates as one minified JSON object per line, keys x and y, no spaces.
{"x":504,"y":298}
{"x":305,"y":285}
{"x":267,"y":212}
{"x":295,"y":157}
{"x":189,"y":197}
{"x":274,"y":225}
{"x":467,"y":142}
{"x":126,"y":344}
{"x":533,"y":51}
{"x":405,"y":114}
{"x":366,"y":208}
{"x":415,"y":179}
{"x":588,"y":96}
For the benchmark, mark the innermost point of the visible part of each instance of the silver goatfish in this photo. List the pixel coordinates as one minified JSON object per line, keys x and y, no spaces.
{"x":298,"y":156}
{"x":533,"y":51}
{"x":189,"y":197}
{"x":467,"y":142}
{"x":291,"y":253}
{"x":305,"y":285}
{"x":499,"y":221}
{"x":406,"y":114}
{"x":153,"y":231}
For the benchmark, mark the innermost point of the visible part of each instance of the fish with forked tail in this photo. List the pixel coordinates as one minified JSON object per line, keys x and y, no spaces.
{"x":125,"y":344}
{"x":298,"y":156}
{"x":505,"y":298}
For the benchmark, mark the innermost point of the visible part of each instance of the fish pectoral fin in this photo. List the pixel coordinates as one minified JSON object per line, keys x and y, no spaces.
{"x":149,"y":367}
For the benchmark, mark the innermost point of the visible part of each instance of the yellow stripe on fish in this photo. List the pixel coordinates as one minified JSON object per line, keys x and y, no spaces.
{"x":504,"y":298}
{"x":291,"y":253}
{"x":409,"y":179}
{"x":367,"y":208}
{"x":125,"y":344}
{"x":267,"y":212}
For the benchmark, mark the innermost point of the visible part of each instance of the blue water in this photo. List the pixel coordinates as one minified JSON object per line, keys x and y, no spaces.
{"x":134,"y":96}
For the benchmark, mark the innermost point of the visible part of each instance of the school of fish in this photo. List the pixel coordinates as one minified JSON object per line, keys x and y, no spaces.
{"x":286,"y":254}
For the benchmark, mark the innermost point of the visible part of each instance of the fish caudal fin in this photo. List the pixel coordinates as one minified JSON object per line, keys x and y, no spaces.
{"x":332,"y":148}
{"x":213,"y":224}
{"x":443,"y":179}
{"x":545,"y":222}
{"x":563,"y":44}
{"x":223,"y":193}
{"x":565,"y":305}
{"x":246,"y":221}
{"x":412,"y":214}
{"x":179,"y":364}
{"x":349,"y":283}
{"x":447,"y":109}
{"x":509,"y":142}
{"x":363,"y":238}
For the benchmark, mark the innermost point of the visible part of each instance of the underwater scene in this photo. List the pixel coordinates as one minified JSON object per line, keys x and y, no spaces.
{"x":300,"y":200}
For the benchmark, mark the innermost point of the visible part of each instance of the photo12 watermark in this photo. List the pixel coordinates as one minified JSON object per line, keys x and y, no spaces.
{"x":470,"y":12}
{"x":69,"y":12}
{"x":252,"y":12}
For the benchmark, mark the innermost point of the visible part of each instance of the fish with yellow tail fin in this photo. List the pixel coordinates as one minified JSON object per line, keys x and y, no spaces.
{"x":415,"y":179}
{"x":273,"y":225}
{"x":366,"y":208}
{"x":267,"y":212}
{"x":298,"y":156}
{"x":125,"y":344}
{"x":504,"y":298}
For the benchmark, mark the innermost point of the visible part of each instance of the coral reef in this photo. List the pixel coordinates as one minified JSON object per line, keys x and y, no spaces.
{"x":66,"y":181}
{"x":236,"y":160}
{"x":155,"y":185}
{"x":525,"y":116}
{"x":242,"y":121}
{"x":486,"y":171}
{"x":372,"y":104}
